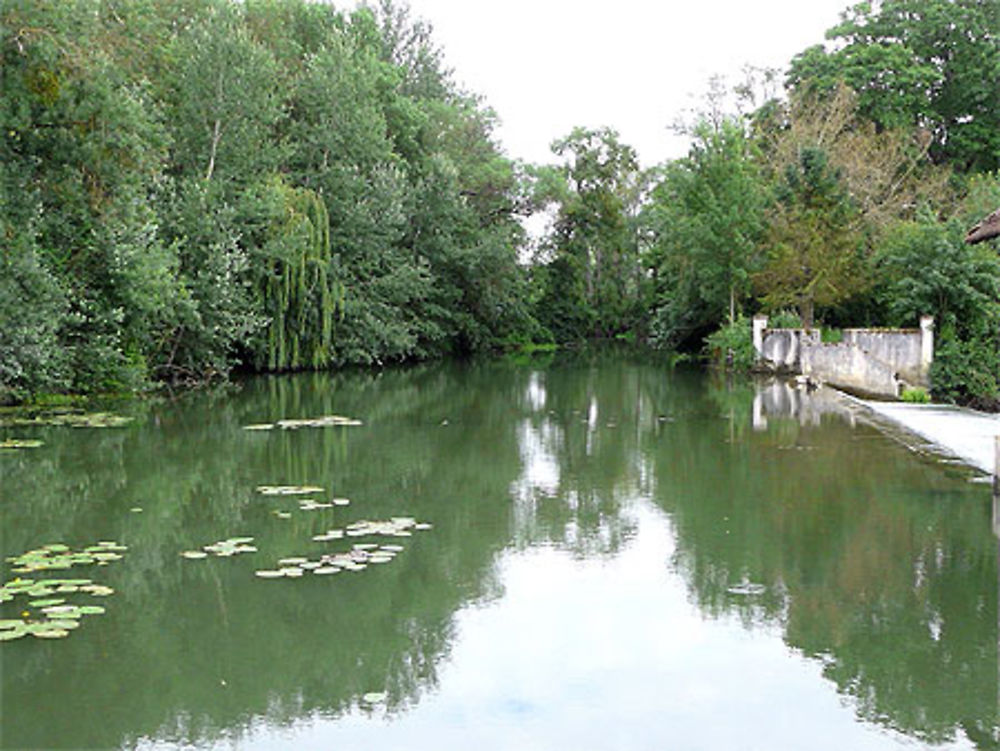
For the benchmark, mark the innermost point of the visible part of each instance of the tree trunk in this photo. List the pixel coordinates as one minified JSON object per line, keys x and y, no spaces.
{"x":806,"y":312}
{"x":216,"y":137}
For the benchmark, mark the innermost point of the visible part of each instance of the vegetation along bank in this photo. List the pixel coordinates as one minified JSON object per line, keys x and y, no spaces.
{"x":193,"y":186}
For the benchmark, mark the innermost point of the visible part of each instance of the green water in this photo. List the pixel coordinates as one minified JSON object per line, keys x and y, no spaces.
{"x":623,"y":556}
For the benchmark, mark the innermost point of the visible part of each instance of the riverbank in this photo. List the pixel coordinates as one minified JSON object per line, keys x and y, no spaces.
{"x":964,"y":433}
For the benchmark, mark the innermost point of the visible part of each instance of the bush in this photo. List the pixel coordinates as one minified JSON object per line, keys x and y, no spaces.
{"x":784,"y":319}
{"x":916,"y":395}
{"x":731,"y":346}
{"x":966,"y":372}
{"x":831,"y":336}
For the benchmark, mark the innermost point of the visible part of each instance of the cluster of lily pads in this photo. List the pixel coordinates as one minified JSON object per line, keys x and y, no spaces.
{"x":47,"y":614}
{"x":397,"y":526}
{"x":57,"y":556}
{"x":223,"y":548}
{"x":357,"y":558}
{"x":328,"y":421}
{"x":69,"y":419}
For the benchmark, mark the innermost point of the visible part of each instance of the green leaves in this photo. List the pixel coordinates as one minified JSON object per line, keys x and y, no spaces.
{"x":591,"y":283}
{"x":927,"y":63}
{"x":277,"y":184}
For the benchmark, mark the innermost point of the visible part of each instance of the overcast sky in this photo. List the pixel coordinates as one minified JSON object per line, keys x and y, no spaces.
{"x":546,"y":66}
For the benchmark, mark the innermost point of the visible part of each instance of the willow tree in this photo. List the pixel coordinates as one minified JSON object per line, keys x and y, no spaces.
{"x":298,"y":289}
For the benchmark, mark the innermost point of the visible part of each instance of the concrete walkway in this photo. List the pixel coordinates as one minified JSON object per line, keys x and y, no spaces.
{"x":967,"y":434}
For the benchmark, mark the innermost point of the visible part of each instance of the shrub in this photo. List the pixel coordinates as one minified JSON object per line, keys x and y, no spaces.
{"x":784,"y":319}
{"x":731,"y":346}
{"x":831,"y":336}
{"x":966,"y":372}
{"x":916,"y":395}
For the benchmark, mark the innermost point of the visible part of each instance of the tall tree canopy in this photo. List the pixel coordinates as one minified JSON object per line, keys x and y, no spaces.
{"x":593,"y":266}
{"x":189,"y":186}
{"x":928,"y":63}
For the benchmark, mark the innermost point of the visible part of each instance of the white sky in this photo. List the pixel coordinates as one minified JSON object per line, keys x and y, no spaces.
{"x":546,"y":66}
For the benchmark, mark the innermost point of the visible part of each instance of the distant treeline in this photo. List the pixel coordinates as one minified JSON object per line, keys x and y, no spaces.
{"x":188,"y":186}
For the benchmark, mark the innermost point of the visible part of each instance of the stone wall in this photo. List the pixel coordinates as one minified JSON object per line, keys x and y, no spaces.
{"x":873,"y":361}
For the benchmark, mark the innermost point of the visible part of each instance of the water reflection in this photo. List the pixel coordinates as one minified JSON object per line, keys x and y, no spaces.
{"x":594,"y":521}
{"x":788,"y":398}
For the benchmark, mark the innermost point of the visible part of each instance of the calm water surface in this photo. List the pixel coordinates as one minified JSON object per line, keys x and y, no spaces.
{"x":623,"y":556}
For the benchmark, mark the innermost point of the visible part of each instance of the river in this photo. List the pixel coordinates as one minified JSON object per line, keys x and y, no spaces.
{"x":589,"y":551}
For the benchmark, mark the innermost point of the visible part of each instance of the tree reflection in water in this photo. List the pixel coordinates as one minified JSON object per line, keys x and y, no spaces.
{"x":879,"y":565}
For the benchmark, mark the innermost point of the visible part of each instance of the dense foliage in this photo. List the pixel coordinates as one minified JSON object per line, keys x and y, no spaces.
{"x":187,"y":186}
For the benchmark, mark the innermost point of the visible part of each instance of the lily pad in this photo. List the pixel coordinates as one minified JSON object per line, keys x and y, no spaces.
{"x":97,"y":590}
{"x":314,"y":505}
{"x":374,"y":697}
{"x":18,"y":585}
{"x":327,"y":421}
{"x":67,"y":624}
{"x":259,"y":426}
{"x":10,"y":635}
{"x":20,"y":443}
{"x":46,"y":603}
{"x":269,"y":574}
{"x":323,"y":570}
{"x":194,"y":554}
{"x":288,"y":489}
{"x":63,"y":611}
{"x":48,"y":632}
{"x":40,"y":591}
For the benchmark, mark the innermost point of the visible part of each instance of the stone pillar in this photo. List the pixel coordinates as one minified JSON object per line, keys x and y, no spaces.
{"x":926,"y":344}
{"x":759,"y":324}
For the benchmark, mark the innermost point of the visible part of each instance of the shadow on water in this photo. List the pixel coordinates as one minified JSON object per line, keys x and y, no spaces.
{"x":880,"y":566}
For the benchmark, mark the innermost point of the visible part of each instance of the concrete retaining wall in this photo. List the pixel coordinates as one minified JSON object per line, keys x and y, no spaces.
{"x":874,"y":361}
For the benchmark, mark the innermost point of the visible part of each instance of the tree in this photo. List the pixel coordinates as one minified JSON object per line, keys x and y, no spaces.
{"x":597,"y":193}
{"x":814,"y":246}
{"x":227,"y":100}
{"x":926,"y":268}
{"x":706,"y":217}
{"x":926,"y":63}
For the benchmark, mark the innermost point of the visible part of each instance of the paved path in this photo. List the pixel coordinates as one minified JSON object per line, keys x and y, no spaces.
{"x":967,"y":434}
